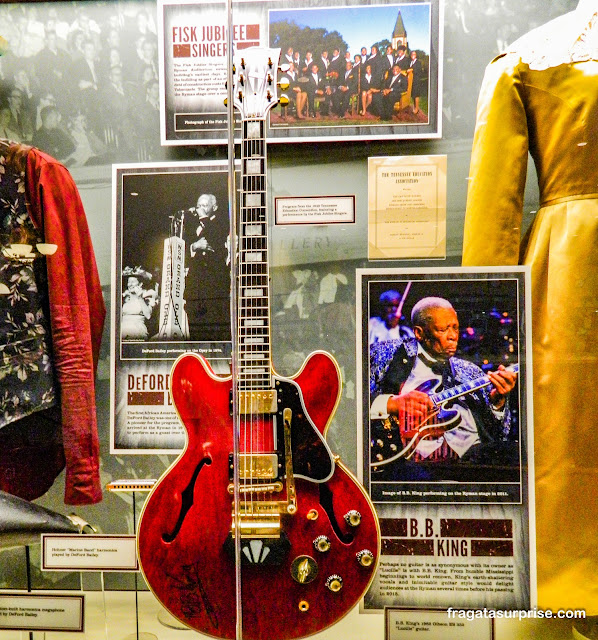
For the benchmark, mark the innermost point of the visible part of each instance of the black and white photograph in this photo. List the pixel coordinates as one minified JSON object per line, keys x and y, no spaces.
{"x":79,"y":80}
{"x":444,"y":388}
{"x":171,"y":290}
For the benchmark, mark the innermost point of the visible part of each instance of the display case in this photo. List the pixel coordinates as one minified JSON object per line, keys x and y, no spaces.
{"x":292,"y":405}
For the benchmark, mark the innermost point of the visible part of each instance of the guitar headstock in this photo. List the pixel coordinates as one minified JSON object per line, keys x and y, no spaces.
{"x":255,"y":71}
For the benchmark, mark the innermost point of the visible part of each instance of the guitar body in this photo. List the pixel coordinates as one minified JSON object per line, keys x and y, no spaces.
{"x":387,"y":442}
{"x":184,"y":538}
{"x":437,"y":423}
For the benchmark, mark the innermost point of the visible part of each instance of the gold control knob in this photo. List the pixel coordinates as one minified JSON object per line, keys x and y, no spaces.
{"x":312,"y":514}
{"x":365,"y":557}
{"x":322,"y":544}
{"x":334,"y":583}
{"x":353,"y":518}
{"x":304,"y":569}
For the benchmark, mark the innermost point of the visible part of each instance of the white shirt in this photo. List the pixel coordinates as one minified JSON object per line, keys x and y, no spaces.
{"x":378,"y":331}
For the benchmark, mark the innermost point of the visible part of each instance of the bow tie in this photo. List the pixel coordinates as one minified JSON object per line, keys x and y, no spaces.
{"x":439,"y":368}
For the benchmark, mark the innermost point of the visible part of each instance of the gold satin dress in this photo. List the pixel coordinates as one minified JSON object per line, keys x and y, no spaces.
{"x":553,"y":113}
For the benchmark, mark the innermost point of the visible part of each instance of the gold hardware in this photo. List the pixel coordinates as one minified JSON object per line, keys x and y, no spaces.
{"x":303,"y":605}
{"x":284,"y":84}
{"x":275,"y":487}
{"x":259,"y":528}
{"x":304,"y":569}
{"x":261,"y":466}
{"x":283,"y":100}
{"x":258,"y":402}
{"x":258,"y":520}
{"x":365,"y":558}
{"x":334,"y":583}
{"x":312,"y":514}
{"x":353,"y":518}
{"x":287,"y":416}
{"x":322,"y":544}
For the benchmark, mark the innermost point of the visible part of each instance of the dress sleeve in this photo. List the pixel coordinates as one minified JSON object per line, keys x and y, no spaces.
{"x":77,"y":314}
{"x":492,"y":233}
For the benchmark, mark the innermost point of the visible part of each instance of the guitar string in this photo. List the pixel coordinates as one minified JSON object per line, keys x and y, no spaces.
{"x":256,"y":335}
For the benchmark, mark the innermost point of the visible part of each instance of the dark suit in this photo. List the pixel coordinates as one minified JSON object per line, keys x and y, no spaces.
{"x":387,"y":66}
{"x":403,"y":62}
{"x":383,"y":105}
{"x":418,"y":72}
{"x":346,"y":88}
{"x":87,"y":97}
{"x":336,"y":70}
{"x":315,"y":89}
{"x":377,"y":65}
{"x":368,"y":83}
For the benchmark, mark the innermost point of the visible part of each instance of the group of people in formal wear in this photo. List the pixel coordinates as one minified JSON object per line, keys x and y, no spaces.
{"x":368,"y":84}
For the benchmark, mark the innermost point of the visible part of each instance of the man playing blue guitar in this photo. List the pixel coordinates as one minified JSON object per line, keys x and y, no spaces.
{"x":416,"y":433}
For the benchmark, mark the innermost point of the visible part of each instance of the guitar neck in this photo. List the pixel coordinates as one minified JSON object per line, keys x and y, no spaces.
{"x":254,"y":348}
{"x":465,"y":388}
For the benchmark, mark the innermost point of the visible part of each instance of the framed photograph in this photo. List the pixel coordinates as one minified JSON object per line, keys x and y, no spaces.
{"x":171,"y":292}
{"x":355,"y":71}
{"x":445,"y":426}
{"x":437,"y":339}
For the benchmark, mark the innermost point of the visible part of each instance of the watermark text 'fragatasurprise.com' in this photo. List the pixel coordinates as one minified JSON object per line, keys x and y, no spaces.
{"x":473,"y":614}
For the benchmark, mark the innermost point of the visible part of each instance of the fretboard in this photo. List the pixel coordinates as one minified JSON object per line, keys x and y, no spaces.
{"x":254,"y":350}
{"x":465,"y":388}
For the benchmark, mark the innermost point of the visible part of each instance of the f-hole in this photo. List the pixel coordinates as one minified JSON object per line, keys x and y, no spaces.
{"x":326,"y":497}
{"x":186,"y":502}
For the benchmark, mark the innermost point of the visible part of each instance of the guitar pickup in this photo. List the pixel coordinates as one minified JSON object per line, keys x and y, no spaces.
{"x":256,"y":466}
{"x":256,"y":402}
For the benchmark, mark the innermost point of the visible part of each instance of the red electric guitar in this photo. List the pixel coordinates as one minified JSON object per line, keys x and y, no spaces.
{"x":309,"y":535}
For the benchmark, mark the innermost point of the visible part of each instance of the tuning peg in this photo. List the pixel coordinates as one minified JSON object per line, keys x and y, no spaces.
{"x":283,"y":100}
{"x":269,"y":79}
{"x":241,"y":80}
{"x":226,"y":84}
{"x":284,"y":67}
{"x":240,"y":96}
{"x":270,"y":63}
{"x":243,"y":63}
{"x":234,"y":69}
{"x":225,"y":102}
{"x":284,"y":84}
{"x":269,"y":96}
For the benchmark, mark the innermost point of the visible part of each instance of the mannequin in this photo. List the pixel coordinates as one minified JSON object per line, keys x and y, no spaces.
{"x":541,"y":96}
